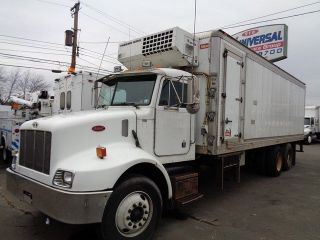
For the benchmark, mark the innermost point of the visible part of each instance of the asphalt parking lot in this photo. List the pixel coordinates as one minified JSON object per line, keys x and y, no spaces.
{"x":259,"y":208}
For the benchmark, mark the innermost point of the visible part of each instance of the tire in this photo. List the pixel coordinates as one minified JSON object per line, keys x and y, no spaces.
{"x":288,"y":157}
{"x":133,"y":210}
{"x":8,"y":158}
{"x":275,"y":161}
{"x":3,"y":151}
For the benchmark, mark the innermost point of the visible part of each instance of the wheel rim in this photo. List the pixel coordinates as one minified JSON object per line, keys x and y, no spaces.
{"x":134,"y":214}
{"x":309,"y":139}
{"x":289,"y":160}
{"x":279,"y":162}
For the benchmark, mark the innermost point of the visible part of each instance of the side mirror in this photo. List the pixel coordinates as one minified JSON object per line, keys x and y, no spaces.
{"x":193,"y":95}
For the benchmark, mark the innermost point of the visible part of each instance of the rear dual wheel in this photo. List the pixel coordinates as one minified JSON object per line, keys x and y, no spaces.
{"x":279,"y":158}
{"x":275,"y":160}
{"x":288,"y":157}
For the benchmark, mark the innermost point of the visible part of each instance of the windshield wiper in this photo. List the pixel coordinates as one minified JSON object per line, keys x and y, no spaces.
{"x":126,"y":104}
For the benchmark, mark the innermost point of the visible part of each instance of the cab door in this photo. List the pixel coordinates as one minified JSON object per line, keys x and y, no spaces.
{"x":172,"y":121}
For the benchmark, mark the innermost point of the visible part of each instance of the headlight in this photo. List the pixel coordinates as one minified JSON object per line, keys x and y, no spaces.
{"x":63,"y":178}
{"x":14,"y":163}
{"x":14,"y":160}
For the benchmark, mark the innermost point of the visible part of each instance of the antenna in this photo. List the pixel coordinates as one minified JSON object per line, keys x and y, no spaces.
{"x":130,"y":49}
{"x":104,"y":52}
{"x":194,"y":33}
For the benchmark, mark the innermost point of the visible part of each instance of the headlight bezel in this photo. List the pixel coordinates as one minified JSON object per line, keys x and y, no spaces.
{"x":63,"y":178}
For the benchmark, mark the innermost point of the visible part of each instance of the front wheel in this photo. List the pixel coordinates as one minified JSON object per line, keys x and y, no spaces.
{"x":133,"y":210}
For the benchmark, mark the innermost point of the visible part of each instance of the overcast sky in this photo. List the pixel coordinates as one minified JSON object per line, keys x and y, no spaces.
{"x":46,"y":20}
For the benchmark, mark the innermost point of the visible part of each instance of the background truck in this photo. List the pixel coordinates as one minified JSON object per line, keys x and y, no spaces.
{"x":185,"y":101}
{"x":19,"y":111}
{"x":311,"y":124}
{"x":75,"y":92}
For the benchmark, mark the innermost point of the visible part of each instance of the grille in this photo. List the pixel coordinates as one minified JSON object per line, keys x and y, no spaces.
{"x":35,"y":147}
{"x":160,"y":42}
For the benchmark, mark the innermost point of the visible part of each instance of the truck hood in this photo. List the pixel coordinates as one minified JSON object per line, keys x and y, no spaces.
{"x":74,"y":134}
{"x":76,"y":119}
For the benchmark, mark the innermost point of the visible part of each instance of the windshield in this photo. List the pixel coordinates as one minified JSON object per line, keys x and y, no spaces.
{"x":306,"y":121}
{"x":128,"y":90}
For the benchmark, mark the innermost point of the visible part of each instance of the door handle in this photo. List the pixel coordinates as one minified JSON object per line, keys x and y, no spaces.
{"x":227,"y":121}
{"x":239,"y":99}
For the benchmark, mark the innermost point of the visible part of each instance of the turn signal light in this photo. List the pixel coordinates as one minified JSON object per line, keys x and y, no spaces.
{"x":101,"y":152}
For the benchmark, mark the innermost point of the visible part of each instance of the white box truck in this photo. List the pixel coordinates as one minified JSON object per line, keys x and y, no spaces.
{"x":311,"y":124}
{"x":185,"y":101}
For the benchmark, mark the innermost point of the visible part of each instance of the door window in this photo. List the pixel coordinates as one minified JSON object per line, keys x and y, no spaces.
{"x":68,"y":100}
{"x":173,"y":94}
{"x":62,"y":100}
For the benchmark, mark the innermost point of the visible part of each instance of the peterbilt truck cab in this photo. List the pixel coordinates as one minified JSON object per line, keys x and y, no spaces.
{"x":69,"y":165}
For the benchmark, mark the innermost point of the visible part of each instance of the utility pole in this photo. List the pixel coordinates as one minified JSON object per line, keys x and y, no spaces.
{"x":75,"y":11}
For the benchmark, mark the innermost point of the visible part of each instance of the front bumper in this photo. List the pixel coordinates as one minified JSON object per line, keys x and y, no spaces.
{"x":64,"y":206}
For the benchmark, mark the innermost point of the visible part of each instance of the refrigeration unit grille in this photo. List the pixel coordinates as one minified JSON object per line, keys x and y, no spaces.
{"x":35,"y":148}
{"x":160,"y":42}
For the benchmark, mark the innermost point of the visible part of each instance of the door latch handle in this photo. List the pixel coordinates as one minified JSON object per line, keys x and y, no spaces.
{"x":239,"y":99}
{"x":227,"y":121}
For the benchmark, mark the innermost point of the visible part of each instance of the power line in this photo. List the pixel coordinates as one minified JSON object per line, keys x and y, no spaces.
{"x":97,"y":53}
{"x":20,"y":66}
{"x":49,"y":53}
{"x":115,"y":63}
{"x":44,"y":61}
{"x":118,"y":21}
{"x":269,"y":20}
{"x":97,"y":20}
{"x":29,"y":39}
{"x":32,"y":58}
{"x":53,"y":3}
{"x":272,"y":14}
{"x":85,"y":42}
{"x":31,"y":46}
{"x":47,"y":48}
{"x":47,"y":69}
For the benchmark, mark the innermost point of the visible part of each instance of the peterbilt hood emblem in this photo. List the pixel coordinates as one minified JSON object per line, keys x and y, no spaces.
{"x":35,"y":124}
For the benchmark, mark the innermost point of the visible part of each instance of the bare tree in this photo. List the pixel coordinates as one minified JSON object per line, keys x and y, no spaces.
{"x":23,"y":83}
{"x":30,"y":83}
{"x":37,"y":83}
{"x":8,"y":86}
{"x":16,"y":82}
{"x":2,"y":83}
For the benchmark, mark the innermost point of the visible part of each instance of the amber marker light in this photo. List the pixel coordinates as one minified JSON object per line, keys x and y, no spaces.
{"x":101,"y":152}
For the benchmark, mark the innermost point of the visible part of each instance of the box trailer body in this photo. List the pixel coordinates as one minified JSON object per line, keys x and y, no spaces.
{"x":245,"y":101}
{"x":185,"y":101}
{"x":311,"y":123}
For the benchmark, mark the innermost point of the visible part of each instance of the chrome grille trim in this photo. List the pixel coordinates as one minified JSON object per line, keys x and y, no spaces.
{"x":35,"y":149}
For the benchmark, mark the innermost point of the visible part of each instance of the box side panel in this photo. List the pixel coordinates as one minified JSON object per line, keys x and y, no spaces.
{"x":274,"y":106}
